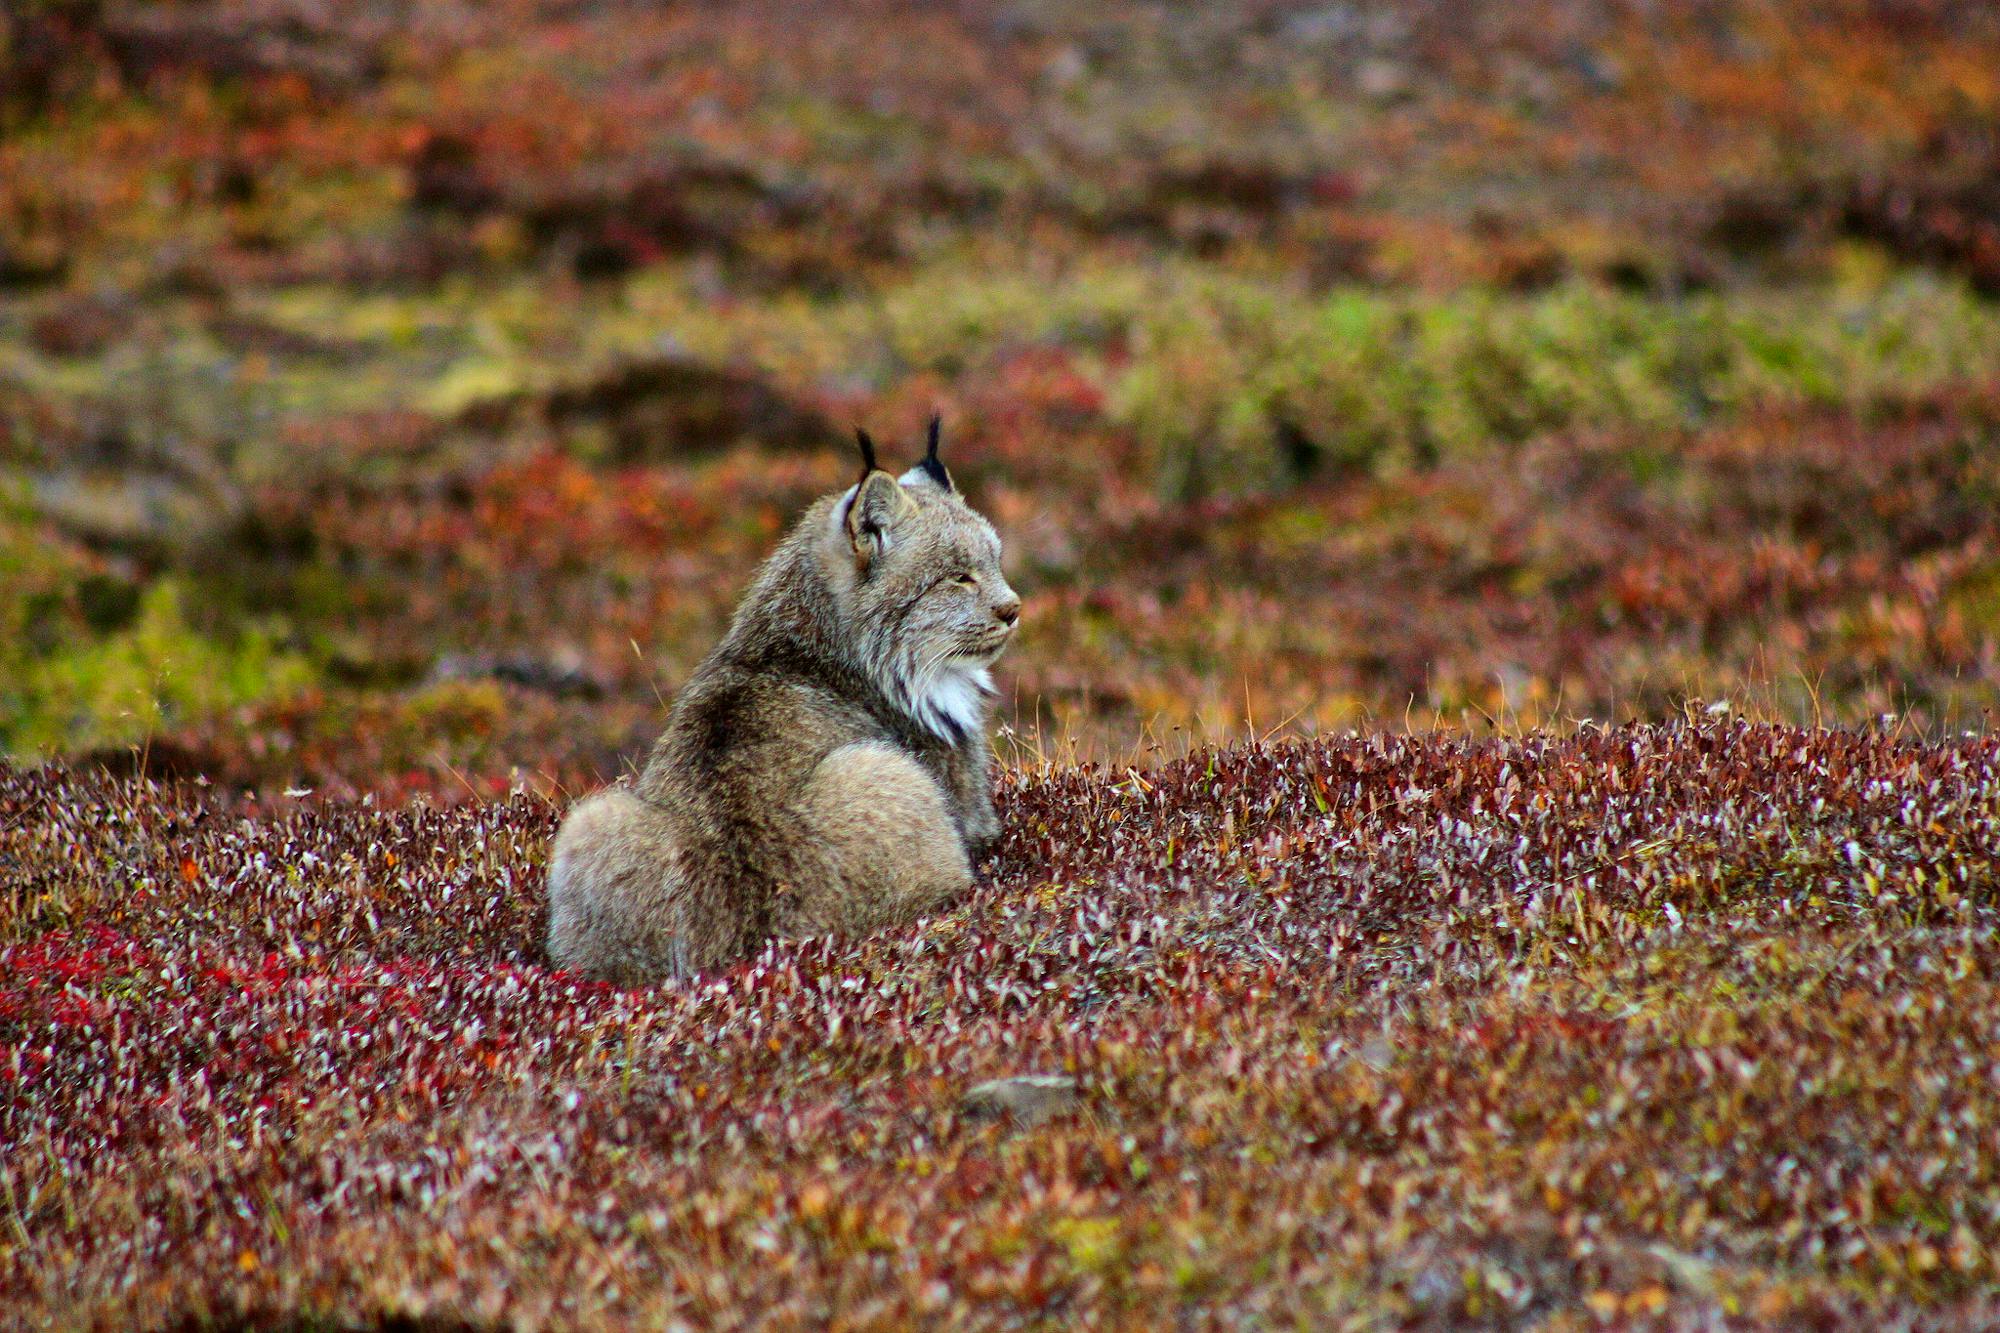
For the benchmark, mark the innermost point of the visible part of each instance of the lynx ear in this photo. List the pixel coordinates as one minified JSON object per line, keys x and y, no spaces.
{"x":876,"y":510}
{"x":931,"y":471}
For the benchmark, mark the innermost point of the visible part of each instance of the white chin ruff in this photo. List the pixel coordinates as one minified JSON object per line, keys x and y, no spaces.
{"x":952,"y":703}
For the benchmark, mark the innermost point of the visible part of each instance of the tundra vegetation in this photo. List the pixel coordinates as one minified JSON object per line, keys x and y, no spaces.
{"x":1502,"y":804}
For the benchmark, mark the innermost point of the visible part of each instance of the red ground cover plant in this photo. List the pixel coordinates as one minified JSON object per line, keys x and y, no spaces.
{"x":1671,"y":1023}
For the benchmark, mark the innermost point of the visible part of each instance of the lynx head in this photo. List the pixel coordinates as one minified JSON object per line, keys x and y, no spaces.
{"x":918,"y":575}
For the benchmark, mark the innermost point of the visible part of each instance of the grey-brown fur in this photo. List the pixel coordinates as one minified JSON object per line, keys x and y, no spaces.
{"x":826,"y":768}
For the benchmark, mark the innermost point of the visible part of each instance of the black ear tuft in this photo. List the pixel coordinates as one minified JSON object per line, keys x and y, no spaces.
{"x":868,"y":467}
{"x":868,"y":463}
{"x":931,"y":466}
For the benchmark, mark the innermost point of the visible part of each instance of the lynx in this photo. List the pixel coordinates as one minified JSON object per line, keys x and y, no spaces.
{"x":826,"y":768}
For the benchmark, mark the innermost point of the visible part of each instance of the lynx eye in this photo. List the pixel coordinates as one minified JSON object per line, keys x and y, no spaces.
{"x":965,"y":581}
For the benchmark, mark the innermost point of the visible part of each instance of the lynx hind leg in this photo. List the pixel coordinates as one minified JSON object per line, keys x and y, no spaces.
{"x":610,"y":883}
{"x":884,"y":824}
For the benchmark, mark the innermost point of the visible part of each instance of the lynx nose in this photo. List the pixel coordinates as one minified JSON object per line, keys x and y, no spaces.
{"x":1008,"y":611}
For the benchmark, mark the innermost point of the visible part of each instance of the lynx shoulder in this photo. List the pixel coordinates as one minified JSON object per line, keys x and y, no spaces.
{"x":826,"y":767}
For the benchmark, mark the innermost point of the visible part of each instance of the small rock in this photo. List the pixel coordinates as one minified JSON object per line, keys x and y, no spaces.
{"x":1329,"y":23}
{"x":560,"y":672}
{"x":137,"y":510}
{"x":1382,"y":80}
{"x":1378,"y":1053}
{"x":1066,"y":68}
{"x":1600,"y":69}
{"x":1028,"y":1098}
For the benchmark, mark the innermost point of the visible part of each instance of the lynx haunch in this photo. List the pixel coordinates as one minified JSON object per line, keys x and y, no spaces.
{"x":826,"y":767}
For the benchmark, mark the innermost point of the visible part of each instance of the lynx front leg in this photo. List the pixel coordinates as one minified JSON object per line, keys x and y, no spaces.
{"x":890,"y":838}
{"x":982,"y":824}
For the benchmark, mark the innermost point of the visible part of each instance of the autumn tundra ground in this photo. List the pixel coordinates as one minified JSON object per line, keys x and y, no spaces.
{"x":1679,"y":1022}
{"x":1500,"y":760}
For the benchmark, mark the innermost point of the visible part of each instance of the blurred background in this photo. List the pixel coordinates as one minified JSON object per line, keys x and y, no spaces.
{"x":395,"y":396}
